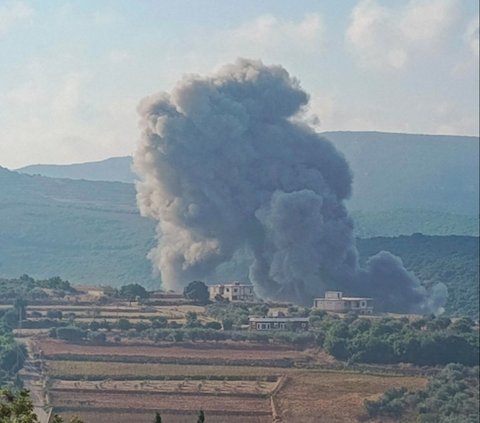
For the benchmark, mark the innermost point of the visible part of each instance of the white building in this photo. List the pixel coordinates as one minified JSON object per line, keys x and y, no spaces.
{"x":278,"y":323}
{"x":336,"y":302}
{"x":234,"y":291}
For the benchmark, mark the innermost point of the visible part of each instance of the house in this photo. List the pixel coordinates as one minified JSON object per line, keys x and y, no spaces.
{"x":234,"y":291}
{"x":336,"y":302}
{"x":278,"y":323}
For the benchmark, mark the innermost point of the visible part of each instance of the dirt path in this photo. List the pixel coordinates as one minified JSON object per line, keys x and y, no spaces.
{"x":34,"y":380}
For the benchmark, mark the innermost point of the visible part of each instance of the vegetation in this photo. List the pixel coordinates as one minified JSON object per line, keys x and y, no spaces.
{"x":17,"y":407}
{"x":28,"y":289}
{"x":430,"y":341}
{"x":91,"y":232}
{"x":196,"y":291}
{"x":453,"y":260}
{"x":396,"y":222}
{"x":12,"y":355}
{"x":133,"y":291}
{"x":451,"y":396}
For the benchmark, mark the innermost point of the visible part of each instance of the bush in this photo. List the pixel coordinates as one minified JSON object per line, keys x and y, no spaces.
{"x":196,"y":291}
{"x":213,"y":325}
{"x":123,"y":324}
{"x":97,"y":337}
{"x":133,"y":291}
{"x":70,"y":333}
{"x":227,"y":324}
{"x":54,"y":314}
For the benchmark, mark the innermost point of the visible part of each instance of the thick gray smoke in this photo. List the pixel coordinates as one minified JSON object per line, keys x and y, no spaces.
{"x":225,"y":168}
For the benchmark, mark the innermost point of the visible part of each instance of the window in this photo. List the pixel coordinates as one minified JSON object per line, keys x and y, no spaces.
{"x":259,"y":326}
{"x":363,"y":304}
{"x":282,"y":325}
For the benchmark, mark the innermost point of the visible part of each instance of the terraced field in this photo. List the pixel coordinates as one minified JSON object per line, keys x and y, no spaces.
{"x":105,"y":391}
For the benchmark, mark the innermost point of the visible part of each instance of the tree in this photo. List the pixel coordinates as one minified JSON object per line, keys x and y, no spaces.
{"x":213,"y":325}
{"x":201,"y":417}
{"x":133,"y":291}
{"x":16,"y":407}
{"x":158,"y":418}
{"x":124,"y":324}
{"x":70,"y":333}
{"x":227,"y":324}
{"x":191,"y":320}
{"x":20,"y":306}
{"x":54,"y":314}
{"x":196,"y":291}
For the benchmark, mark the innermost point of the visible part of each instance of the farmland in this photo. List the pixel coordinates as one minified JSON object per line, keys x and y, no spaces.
{"x":130,"y":373}
{"x":101,"y":383}
{"x":117,"y":389}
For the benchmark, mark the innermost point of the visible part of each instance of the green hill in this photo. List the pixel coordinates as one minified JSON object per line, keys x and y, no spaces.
{"x":436,"y":173}
{"x":410,"y":221}
{"x":87,"y":232}
{"x":91,"y":232}
{"x":453,"y":260}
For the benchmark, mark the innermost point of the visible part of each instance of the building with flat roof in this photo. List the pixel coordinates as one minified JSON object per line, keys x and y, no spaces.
{"x":234,"y":291}
{"x":335,"y":301}
{"x":278,"y":323}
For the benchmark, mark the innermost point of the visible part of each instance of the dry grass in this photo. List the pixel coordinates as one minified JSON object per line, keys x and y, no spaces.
{"x":66,"y":369}
{"x":180,"y":402}
{"x":215,"y":387}
{"x":336,"y":397}
{"x":205,"y":351}
{"x":108,"y":417}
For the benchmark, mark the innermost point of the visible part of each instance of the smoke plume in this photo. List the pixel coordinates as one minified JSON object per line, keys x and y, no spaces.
{"x":225,"y":168}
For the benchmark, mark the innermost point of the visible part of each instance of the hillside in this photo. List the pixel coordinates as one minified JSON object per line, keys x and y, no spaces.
{"x":406,"y":171}
{"x":114,"y":169}
{"x":391,"y":171}
{"x":409,"y":221}
{"x":453,"y":260}
{"x":91,"y":232}
{"x":88,"y":232}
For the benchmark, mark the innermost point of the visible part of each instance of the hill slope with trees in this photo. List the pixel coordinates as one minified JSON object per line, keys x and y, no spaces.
{"x":91,"y":232}
{"x":453,"y":260}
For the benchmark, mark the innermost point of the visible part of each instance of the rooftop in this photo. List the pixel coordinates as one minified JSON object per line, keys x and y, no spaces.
{"x":276,"y":319}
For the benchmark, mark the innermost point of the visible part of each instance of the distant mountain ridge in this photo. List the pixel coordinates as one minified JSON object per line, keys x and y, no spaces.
{"x":437,"y":173}
{"x":91,"y":233}
{"x":114,"y":169}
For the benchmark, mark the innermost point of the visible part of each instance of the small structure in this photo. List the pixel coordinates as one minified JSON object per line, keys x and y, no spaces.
{"x":278,"y":323}
{"x":234,"y":291}
{"x":336,"y":302}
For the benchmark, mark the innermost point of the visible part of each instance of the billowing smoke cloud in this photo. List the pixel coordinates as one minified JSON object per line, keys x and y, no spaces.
{"x":225,"y":168}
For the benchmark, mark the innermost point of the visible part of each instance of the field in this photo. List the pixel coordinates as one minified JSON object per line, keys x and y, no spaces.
{"x":127,"y":379}
{"x":89,"y":384}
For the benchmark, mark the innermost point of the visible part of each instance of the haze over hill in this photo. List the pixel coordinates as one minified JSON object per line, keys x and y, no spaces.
{"x":114,"y":169}
{"x":86,"y":231}
{"x":435,"y":173}
{"x":91,"y":232}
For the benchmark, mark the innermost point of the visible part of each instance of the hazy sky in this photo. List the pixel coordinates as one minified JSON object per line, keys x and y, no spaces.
{"x":72,"y":72}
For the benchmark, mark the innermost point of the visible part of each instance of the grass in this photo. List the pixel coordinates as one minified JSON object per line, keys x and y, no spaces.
{"x":337,"y":397}
{"x":70,"y":369}
{"x":216,"y":387}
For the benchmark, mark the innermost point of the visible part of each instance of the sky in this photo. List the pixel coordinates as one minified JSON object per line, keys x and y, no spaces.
{"x":73,"y":72}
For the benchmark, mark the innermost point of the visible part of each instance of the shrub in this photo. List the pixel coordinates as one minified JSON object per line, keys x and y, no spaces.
{"x":70,"y":333}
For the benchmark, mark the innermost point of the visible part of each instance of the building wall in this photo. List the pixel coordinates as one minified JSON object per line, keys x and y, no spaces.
{"x":232,"y":292}
{"x":344,"y":305}
{"x":258,"y":325}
